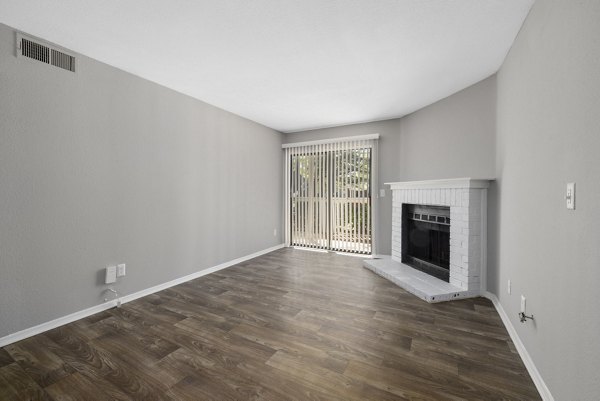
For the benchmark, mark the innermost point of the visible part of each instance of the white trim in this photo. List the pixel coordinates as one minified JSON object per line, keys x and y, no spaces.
{"x":533,"y":372}
{"x":455,"y":183}
{"x":168,"y":284}
{"x":331,"y":140}
{"x":40,"y":328}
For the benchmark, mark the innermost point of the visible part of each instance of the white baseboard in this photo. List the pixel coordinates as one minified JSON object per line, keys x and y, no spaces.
{"x":533,"y":372}
{"x":40,"y":328}
{"x":180,"y":280}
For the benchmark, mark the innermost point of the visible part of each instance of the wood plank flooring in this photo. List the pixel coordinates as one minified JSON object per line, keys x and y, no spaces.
{"x":289,"y":325}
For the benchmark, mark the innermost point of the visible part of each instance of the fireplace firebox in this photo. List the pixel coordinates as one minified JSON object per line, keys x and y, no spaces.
{"x":426,"y":239}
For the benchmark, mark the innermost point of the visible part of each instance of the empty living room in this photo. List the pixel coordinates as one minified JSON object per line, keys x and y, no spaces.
{"x":299,"y":200}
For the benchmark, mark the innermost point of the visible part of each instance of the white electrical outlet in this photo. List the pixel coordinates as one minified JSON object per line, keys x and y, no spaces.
{"x":570,"y":197}
{"x":508,"y":289}
{"x":111,"y":275}
{"x":523,"y":303}
{"x":382,"y":193}
{"x":121,"y":270}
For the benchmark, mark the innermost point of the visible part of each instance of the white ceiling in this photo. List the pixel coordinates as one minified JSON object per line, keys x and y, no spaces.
{"x":289,"y":64}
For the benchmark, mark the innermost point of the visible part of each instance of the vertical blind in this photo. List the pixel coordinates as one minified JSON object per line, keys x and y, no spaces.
{"x":328,"y":200}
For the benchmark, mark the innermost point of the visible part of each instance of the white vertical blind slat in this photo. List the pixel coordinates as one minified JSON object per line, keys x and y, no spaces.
{"x":346,"y":204}
{"x":315,"y":202}
{"x":319,"y":224}
{"x":295,"y":236}
{"x":350,"y":198}
{"x":359,"y":198}
{"x":286,"y":195}
{"x":368,"y":202}
{"x":354,"y":220}
{"x":366,"y":186}
{"x":361,"y":208}
{"x":304,"y":205}
{"x":342,"y":194}
{"x":310,"y":198}
{"x":295,"y":201}
{"x":319,"y":196}
{"x":363,"y":204}
{"x":299,"y":198}
{"x":324,"y":177}
{"x":322,"y":193}
{"x":340,"y":177}
{"x":366,"y":199}
{"x":305,"y":229}
{"x":291,"y":200}
{"x":335,"y":194}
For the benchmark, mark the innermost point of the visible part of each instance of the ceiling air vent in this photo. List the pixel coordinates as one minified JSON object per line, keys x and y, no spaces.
{"x":37,"y":50}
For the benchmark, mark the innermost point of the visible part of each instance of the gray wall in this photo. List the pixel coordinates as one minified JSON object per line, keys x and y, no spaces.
{"x":449,"y":139}
{"x":103,"y":167}
{"x":548,"y":134}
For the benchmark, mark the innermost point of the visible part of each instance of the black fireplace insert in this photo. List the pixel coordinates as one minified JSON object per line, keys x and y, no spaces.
{"x":426,"y":239}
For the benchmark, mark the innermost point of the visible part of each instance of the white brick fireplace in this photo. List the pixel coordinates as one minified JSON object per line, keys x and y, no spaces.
{"x":467,"y":200}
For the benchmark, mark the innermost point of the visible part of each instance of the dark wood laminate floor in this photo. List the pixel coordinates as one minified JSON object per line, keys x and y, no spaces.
{"x":288,"y":325}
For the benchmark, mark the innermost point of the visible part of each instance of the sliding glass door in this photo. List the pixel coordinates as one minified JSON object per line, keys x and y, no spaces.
{"x":329,"y":199}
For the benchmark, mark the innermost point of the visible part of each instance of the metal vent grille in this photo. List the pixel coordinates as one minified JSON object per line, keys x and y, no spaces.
{"x":62,"y":60}
{"x":35,"y":51}
{"x":45,"y":53}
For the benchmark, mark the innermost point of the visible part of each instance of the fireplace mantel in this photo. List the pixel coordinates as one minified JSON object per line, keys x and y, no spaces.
{"x":467,"y":200}
{"x":448,"y":183}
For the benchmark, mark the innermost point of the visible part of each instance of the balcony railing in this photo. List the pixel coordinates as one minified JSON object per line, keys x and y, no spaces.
{"x":341,"y":223}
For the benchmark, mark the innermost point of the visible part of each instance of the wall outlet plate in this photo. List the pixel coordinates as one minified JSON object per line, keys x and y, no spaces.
{"x":121,"y":270}
{"x":382,"y":193}
{"x":508,"y":287}
{"x":111,"y":275}
{"x":523,"y":303}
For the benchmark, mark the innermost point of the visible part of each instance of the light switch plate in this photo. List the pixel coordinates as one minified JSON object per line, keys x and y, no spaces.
{"x":121,"y":270}
{"x":570,"y":197}
{"x":382,"y":193}
{"x":523,"y":303}
{"x":111,"y":275}
{"x":508,"y":287}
